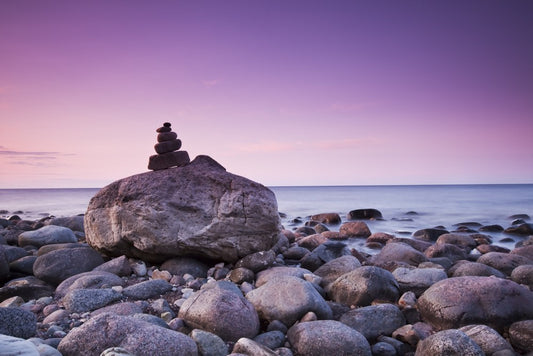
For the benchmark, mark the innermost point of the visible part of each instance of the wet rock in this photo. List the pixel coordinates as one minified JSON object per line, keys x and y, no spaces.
{"x":88,"y":280}
{"x":449,"y":251}
{"x":56,"y":266}
{"x":430,"y":234}
{"x":465,"y":242}
{"x":491,"y":228}
{"x":147,"y":289}
{"x":364,"y":214}
{"x":364,"y":285}
{"x":522,"y":229}
{"x":327,"y":218}
{"x":84,"y":300}
{"x":468,"y":268}
{"x":287,"y":299}
{"x":125,"y":309}
{"x":209,"y":343}
{"x":333,"y":269}
{"x":374,"y":320}
{"x":461,"y":301}
{"x":448,"y":342}
{"x":47,"y":235}
{"x":17,"y":322}
{"x":327,"y":337}
{"x":246,"y":346}
{"x":417,"y":280}
{"x":355,"y":229}
{"x":399,"y":252}
{"x":181,"y":265}
{"x":504,"y":262}
{"x":379,"y":237}
{"x":487,"y":338}
{"x":521,"y":335}
{"x":311,"y":241}
{"x":134,"y":335}
{"x":523,"y":275}
{"x":222,"y":310}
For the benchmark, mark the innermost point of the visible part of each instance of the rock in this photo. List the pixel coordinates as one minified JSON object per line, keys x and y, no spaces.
{"x":57,"y":317}
{"x":399,"y":252}
{"x":257,"y":261}
{"x":181,"y":265}
{"x":523,"y":275}
{"x":465,"y":242}
{"x":295,"y":253}
{"x":16,"y":346}
{"x":209,"y":343}
{"x":56,"y":266}
{"x":374,"y":320}
{"x":324,"y":253}
{"x":116,"y":351}
{"x":88,"y":280}
{"x":417,"y":280}
{"x":13,"y":253}
{"x":4,"y":266}
{"x":49,"y":248}
{"x":152,"y":319}
{"x":327,"y":218}
{"x":452,"y":252}
{"x":383,"y":349}
{"x":84,"y":300}
{"x":275,"y":272}
{"x":364,"y":285}
{"x":504,"y":262}
{"x":354,"y":229}
{"x":468,"y":268}
{"x":336,"y":268}
{"x":312,"y":241}
{"x":450,"y":343}
{"x":75,"y":223}
{"x":166,"y":136}
{"x":525,"y":251}
{"x":147,"y":289}
{"x":327,"y":337}
{"x":222,"y":310}
{"x":364,"y":214}
{"x":287,"y":299}
{"x":167,"y":146}
{"x":379,"y":237}
{"x":125,"y":309}
{"x":17,"y":322}
{"x":271,"y":339}
{"x":491,"y":228}
{"x":429,"y":234}
{"x":521,"y":335}
{"x":168,"y":160}
{"x":119,"y":266}
{"x":461,"y":301}
{"x":27,"y":288}
{"x":522,"y":229}
{"x":134,"y":335}
{"x":487,"y":338}
{"x":215,"y":215}
{"x":23,"y":265}
{"x":246,"y":346}
{"x":47,"y":235}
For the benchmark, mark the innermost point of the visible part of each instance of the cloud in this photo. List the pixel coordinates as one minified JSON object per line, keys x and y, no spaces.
{"x":4,"y":152}
{"x":210,"y":83}
{"x":31,"y":158}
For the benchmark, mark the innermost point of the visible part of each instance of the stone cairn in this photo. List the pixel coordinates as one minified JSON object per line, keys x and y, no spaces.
{"x":167,"y":147}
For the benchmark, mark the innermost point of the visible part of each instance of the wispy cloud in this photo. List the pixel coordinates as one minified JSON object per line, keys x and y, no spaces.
{"x":31,"y":158}
{"x":210,"y":83}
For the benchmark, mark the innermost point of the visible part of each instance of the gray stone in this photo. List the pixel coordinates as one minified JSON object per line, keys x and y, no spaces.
{"x":75,"y":223}
{"x":12,"y":346}
{"x":271,"y":339}
{"x":119,"y":266}
{"x":56,"y":266}
{"x":504,"y":262}
{"x":13,"y":253}
{"x":523,"y":275}
{"x":333,"y":269}
{"x":198,"y":210}
{"x":246,"y":346}
{"x":125,"y":308}
{"x":274,"y":272}
{"x":383,"y":349}
{"x":239,"y":275}
{"x":84,"y":300}
{"x":47,"y":235}
{"x":461,"y":301}
{"x":450,"y":343}
{"x":468,"y":268}
{"x":324,"y":253}
{"x":147,"y":289}
{"x":522,"y":229}
{"x":465,"y":242}
{"x":136,"y":336}
{"x":166,"y":136}
{"x":182,"y":265}
{"x":49,"y":248}
{"x":364,"y":285}
{"x":521,"y":335}
{"x":167,"y":146}
{"x":4,"y":266}
{"x":487,"y":338}
{"x":374,"y":320}
{"x":222,"y":310}
{"x":23,"y":265}
{"x":452,"y":252}
{"x":88,"y":280}
{"x":287,"y":299}
{"x":17,"y":322}
{"x":399,"y":252}
{"x":355,"y":229}
{"x":116,"y":351}
{"x":27,"y":288}
{"x":417,"y":280}
{"x":209,"y":343}
{"x":257,"y":261}
{"x":152,"y":319}
{"x":327,"y":337}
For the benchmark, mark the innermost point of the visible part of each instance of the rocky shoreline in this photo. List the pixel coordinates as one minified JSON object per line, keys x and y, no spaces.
{"x":437,"y":292}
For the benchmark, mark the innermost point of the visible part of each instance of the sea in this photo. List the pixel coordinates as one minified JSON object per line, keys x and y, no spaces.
{"x":405,"y":208}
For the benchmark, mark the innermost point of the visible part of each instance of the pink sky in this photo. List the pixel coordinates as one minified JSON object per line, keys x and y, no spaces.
{"x":282,"y":92}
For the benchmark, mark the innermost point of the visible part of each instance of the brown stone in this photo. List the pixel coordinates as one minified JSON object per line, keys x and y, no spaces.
{"x":167,"y":146}
{"x":167,"y":160}
{"x":166,"y":136}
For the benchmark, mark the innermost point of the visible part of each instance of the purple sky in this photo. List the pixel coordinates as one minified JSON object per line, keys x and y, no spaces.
{"x":282,"y":92}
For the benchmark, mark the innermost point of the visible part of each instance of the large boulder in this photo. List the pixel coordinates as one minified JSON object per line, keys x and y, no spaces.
{"x":460,"y":301}
{"x":197,"y":210}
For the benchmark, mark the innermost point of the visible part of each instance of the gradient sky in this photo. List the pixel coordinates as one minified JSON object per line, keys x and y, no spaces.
{"x":281,"y":92}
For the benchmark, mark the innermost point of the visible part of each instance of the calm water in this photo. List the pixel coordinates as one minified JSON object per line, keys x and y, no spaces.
{"x":444,"y":205}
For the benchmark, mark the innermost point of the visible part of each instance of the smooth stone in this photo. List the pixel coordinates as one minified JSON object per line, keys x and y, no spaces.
{"x":451,"y":342}
{"x":56,"y":266}
{"x":88,"y":280}
{"x":468,"y":268}
{"x":152,"y":319}
{"x":27,"y":288}
{"x":209,"y":343}
{"x":47,"y":235}
{"x":119,"y":266}
{"x":49,"y":248}
{"x":166,"y":136}
{"x":355,"y":229}
{"x":521,"y":335}
{"x":271,"y":339}
{"x":364,"y":285}
{"x":287,"y":299}
{"x":75,"y":223}
{"x":17,"y":322}
{"x":311,"y":242}
{"x":324,"y":253}
{"x":4,"y":266}
{"x":523,"y":275}
{"x":491,"y":228}
{"x":134,"y":335}
{"x":147,"y":289}
{"x":13,"y":253}
{"x":525,"y":251}
{"x":327,"y":218}
{"x":116,"y":351}
{"x":57,"y":317}
{"x":257,"y":261}
{"x":240,"y":274}
{"x":453,"y":252}
{"x":181,"y":265}
{"x":250,"y":347}
{"x":522,"y":229}
{"x":23,"y":265}
{"x":124,"y":308}
{"x":327,"y":337}
{"x":417,"y":280}
{"x":461,"y":301}
{"x":504,"y":262}
{"x":167,"y":146}
{"x":399,"y":252}
{"x":487,"y":338}
{"x":430,"y":234}
{"x":364,"y":214}
{"x":374,"y":320}
{"x":85,"y":300}
{"x":12,"y":346}
{"x":275,"y":272}
{"x":333,"y":269}
{"x":466,"y":242}
{"x":167,"y":160}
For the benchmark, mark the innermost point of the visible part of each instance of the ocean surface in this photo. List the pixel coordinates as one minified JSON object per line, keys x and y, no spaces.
{"x":444,"y":205}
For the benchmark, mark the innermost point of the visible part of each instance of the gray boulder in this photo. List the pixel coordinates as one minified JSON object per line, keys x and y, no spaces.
{"x":287,"y":299}
{"x":84,"y":300}
{"x":504,"y":262}
{"x":88,"y":280}
{"x":374,"y":320}
{"x":364,"y":285}
{"x":399,"y":252}
{"x":461,"y":301}
{"x":487,"y":338}
{"x":134,"y":335}
{"x":417,"y":280}
{"x":27,"y":288}
{"x":222,"y":310}
{"x":327,"y":337}
{"x":468,"y":268}
{"x":147,"y":289}
{"x":47,"y":235}
{"x":198,"y":210}
{"x":521,"y":335}
{"x":450,"y":343}
{"x":17,"y":322}
{"x":333,"y":269}
{"x":56,"y":266}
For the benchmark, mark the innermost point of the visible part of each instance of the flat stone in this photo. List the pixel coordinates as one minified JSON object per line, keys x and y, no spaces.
{"x":167,"y":136}
{"x":47,"y":235}
{"x":167,"y":146}
{"x":167,"y":160}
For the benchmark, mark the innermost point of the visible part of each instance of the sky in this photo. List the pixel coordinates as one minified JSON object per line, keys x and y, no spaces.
{"x":360,"y":92}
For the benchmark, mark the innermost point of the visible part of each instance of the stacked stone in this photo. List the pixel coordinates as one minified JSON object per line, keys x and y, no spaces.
{"x":167,"y":147}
